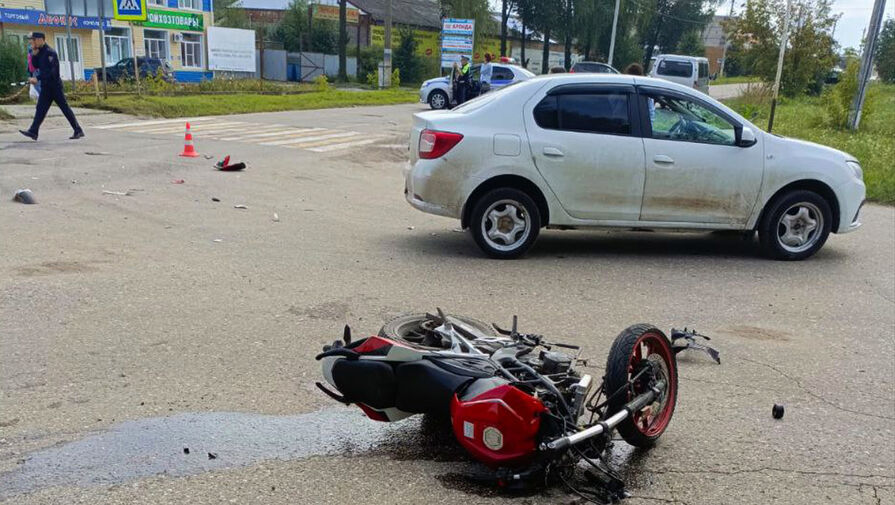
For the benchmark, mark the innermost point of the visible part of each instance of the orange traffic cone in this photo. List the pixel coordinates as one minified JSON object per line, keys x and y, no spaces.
{"x":188,"y":150}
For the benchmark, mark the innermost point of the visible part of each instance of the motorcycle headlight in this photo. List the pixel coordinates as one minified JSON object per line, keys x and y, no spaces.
{"x":856,"y":168}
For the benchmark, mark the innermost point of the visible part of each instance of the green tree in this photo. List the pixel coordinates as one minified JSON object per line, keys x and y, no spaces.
{"x":13,"y":64}
{"x":405,"y":57}
{"x":230,"y":14}
{"x":885,"y":52}
{"x":324,"y":36}
{"x":810,"y":52}
{"x":665,"y":24}
{"x":691,"y":44}
{"x":293,"y":29}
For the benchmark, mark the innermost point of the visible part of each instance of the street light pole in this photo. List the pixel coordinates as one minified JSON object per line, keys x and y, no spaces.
{"x":68,"y":44}
{"x":614,"y":26}
{"x":102,"y":43}
{"x":876,"y":19}
{"x":387,"y":57}
{"x":726,"y":43}
{"x":780,"y":65}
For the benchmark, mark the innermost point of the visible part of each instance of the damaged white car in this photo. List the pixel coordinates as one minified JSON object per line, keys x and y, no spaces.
{"x":598,"y":150}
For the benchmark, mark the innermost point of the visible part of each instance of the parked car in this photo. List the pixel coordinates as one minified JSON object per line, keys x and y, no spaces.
{"x":124,"y":69}
{"x":592,"y":67}
{"x":690,"y":71}
{"x":439,"y":92}
{"x":615,"y":151}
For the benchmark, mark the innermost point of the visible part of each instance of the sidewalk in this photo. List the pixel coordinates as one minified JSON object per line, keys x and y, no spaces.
{"x":26,"y":111}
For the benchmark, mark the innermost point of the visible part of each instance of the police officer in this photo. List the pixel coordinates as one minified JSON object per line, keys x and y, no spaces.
{"x":47,"y":63}
{"x":463,"y":80}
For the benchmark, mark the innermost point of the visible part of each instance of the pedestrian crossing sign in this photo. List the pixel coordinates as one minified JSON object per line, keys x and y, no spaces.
{"x":130,"y":10}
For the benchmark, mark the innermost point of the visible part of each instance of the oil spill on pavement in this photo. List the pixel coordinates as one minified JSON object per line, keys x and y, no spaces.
{"x":155,"y":446}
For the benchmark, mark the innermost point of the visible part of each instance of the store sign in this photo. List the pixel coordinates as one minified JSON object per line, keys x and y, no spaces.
{"x":331,"y":13}
{"x":457,"y":39}
{"x":174,"y":20}
{"x":130,"y":10}
{"x":231,"y":49}
{"x":41,"y":18}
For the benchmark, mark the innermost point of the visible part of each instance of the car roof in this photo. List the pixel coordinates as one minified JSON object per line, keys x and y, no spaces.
{"x":682,"y":57}
{"x":614,"y":79}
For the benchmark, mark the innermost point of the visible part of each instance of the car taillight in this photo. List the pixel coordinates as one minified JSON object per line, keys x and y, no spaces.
{"x":435,"y":144}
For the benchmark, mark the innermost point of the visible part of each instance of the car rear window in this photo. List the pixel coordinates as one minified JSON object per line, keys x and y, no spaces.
{"x":501,"y":74}
{"x":586,"y":112}
{"x":673,"y":68}
{"x":703,"y":69}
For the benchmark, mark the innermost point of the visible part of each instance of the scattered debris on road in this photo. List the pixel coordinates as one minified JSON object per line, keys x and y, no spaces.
{"x":777,"y":411}
{"x":215,"y":199}
{"x":178,"y":181}
{"x":240,"y":206}
{"x":218,"y":240}
{"x":410,"y":228}
{"x":129,"y":192}
{"x":186,"y":450}
{"x":225,"y":166}
{"x":24,"y":196}
{"x":276,"y":217}
{"x":212,"y":455}
{"x":96,"y":153}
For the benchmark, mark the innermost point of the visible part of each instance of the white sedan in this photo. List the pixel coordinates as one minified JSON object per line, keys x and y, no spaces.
{"x":615,"y":151}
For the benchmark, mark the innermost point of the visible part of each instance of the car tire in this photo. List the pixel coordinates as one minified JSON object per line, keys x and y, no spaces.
{"x":438,"y":100}
{"x":505,"y":223}
{"x":795,"y":225}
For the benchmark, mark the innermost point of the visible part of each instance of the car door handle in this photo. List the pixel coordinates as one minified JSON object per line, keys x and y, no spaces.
{"x":553,"y":152}
{"x":665,"y":160}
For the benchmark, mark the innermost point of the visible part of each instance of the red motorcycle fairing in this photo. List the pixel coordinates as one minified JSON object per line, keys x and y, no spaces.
{"x":498,"y":427}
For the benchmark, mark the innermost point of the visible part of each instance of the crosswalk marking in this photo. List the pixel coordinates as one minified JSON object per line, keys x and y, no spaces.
{"x":283,"y":133}
{"x":308,"y":139}
{"x":343,"y":145}
{"x":313,"y":139}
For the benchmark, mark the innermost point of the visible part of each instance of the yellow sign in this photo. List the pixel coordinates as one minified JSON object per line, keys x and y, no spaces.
{"x":331,"y":13}
{"x":426,"y":41}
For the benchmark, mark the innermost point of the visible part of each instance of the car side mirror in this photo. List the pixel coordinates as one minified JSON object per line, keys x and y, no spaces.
{"x":746,"y":137}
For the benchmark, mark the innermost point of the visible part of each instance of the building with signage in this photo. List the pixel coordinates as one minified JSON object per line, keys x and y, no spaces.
{"x":174,"y":30}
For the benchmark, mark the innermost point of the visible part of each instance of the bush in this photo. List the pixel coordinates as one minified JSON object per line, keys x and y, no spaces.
{"x":368,"y":60}
{"x":838,"y":99}
{"x":405,"y":58}
{"x":373,"y":79}
{"x":396,"y":78}
{"x":13,"y":65}
{"x":321,"y":83}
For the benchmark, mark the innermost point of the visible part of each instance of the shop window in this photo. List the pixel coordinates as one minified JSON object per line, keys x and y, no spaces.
{"x":118,"y":44}
{"x":156,"y":42}
{"x":195,"y":5}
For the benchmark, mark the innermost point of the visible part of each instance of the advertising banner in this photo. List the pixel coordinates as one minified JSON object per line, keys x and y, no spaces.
{"x":331,"y":13}
{"x":457,"y":39}
{"x":231,"y":49}
{"x":426,"y":41}
{"x":41,"y":18}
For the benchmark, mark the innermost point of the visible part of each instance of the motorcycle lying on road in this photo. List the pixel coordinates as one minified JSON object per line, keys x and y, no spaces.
{"x":517,"y":401}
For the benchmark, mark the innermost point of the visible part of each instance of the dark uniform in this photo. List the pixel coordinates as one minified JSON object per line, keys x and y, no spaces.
{"x":47,"y":63}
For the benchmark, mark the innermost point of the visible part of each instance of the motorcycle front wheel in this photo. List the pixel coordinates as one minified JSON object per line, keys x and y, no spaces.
{"x":420,"y":329}
{"x":637,"y":347}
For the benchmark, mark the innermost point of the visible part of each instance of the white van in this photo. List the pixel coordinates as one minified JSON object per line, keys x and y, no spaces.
{"x":690,"y":71}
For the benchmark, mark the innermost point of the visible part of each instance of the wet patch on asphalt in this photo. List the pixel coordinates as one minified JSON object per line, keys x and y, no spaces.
{"x":156,"y":446}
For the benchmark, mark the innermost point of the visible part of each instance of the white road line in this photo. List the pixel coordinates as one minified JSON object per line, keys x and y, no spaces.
{"x":219,"y":134}
{"x":306,"y":140}
{"x":274,"y":134}
{"x":154,"y":122}
{"x":197,"y":128}
{"x":343,"y":145}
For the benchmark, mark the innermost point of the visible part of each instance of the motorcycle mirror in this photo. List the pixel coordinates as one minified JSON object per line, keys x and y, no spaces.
{"x":346,"y":334}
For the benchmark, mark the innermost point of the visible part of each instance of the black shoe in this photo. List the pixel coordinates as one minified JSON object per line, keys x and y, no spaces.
{"x":78,"y":135}
{"x":32,"y":136}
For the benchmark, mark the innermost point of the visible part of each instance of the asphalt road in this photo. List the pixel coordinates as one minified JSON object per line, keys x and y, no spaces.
{"x":134,"y":327}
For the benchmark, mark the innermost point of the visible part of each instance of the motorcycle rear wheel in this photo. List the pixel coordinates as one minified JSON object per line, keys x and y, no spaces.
{"x":632,"y":346}
{"x":417,"y":328}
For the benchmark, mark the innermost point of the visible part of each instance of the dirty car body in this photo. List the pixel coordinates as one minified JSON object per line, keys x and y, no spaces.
{"x":616,"y":151}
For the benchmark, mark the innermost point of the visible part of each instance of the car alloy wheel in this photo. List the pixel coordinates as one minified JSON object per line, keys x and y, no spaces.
{"x":505,"y":225}
{"x":437,"y":100}
{"x":800,"y":227}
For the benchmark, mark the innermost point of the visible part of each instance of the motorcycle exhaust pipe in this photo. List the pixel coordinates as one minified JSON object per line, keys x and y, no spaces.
{"x":609,"y":424}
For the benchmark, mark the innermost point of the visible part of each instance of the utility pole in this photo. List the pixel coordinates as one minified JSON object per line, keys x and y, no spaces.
{"x":612,"y":39}
{"x":876,"y":20}
{"x":387,"y":59}
{"x":780,"y":64}
{"x":102,"y":44}
{"x":726,"y":43}
{"x":68,"y":45}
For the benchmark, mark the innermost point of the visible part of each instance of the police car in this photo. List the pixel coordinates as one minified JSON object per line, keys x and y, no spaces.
{"x":439,"y":93}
